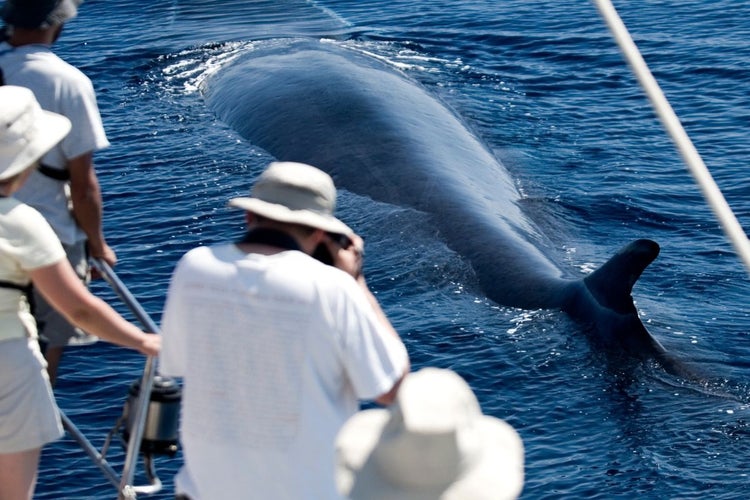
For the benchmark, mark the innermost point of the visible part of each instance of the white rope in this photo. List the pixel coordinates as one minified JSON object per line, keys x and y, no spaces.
{"x":669,"y":119}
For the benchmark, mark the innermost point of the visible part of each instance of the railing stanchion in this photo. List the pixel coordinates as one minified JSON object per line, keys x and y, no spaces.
{"x":126,"y":489}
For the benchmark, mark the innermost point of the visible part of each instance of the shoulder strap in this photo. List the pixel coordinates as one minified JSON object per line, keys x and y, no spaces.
{"x":26,"y":289}
{"x":54,"y":173}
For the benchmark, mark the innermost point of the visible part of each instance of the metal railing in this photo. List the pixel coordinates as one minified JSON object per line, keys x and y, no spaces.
{"x":124,"y":483}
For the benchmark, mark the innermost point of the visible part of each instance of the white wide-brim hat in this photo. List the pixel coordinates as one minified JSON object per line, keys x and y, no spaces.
{"x":294,"y":193}
{"x":27,"y":132}
{"x":433,"y":443}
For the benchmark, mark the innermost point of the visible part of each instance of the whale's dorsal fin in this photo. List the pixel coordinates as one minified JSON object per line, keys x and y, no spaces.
{"x":612,"y":283}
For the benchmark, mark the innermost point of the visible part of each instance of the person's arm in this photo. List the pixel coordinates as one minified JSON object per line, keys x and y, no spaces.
{"x":350,"y":260}
{"x":386,"y":398}
{"x":390,"y":396}
{"x":86,"y":197}
{"x":62,"y":288}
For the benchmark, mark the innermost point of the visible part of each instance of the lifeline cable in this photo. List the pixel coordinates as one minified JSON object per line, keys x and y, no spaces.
{"x":666,"y":114}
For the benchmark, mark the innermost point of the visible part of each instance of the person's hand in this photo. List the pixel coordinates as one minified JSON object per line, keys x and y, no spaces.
{"x":151,"y":344}
{"x":349,"y":256}
{"x":107,"y":254}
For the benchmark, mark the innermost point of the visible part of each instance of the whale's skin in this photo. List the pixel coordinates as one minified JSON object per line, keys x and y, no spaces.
{"x":382,"y":135}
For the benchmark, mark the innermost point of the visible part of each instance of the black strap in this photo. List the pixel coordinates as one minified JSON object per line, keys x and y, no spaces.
{"x":54,"y":173}
{"x":26,"y":289}
{"x":272,"y":237}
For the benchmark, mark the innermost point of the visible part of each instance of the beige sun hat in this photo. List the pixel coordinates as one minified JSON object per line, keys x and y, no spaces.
{"x":27,"y":131}
{"x":432,"y":443}
{"x":295,"y":193}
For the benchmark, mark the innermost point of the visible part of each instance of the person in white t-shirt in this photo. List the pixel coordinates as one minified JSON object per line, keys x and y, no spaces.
{"x":65,"y":187}
{"x":276,"y":348}
{"x":30,"y":253}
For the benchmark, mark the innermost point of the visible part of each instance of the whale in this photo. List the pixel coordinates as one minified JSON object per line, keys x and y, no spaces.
{"x":382,"y":135}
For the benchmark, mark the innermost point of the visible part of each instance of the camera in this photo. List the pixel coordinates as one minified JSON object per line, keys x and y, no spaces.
{"x":341,"y":240}
{"x":321,"y":251}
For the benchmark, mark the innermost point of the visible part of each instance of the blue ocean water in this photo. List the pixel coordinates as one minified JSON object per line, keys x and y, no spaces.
{"x":543,"y":84}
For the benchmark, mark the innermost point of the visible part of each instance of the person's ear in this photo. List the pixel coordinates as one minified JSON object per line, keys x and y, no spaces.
{"x":319,"y":235}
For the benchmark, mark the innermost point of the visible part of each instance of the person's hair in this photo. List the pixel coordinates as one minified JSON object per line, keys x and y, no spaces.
{"x":300,"y":229}
{"x":11,"y":180}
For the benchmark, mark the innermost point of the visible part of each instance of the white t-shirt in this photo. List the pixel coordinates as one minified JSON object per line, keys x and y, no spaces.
{"x":63,"y":89}
{"x":275,"y":351}
{"x":27,"y":242}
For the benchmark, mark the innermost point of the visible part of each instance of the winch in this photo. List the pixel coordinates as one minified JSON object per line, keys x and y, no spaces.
{"x":161,"y":430}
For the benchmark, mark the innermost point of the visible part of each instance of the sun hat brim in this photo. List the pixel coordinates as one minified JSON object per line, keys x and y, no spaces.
{"x":281,"y":213}
{"x":498,"y":473}
{"x":50,"y":129}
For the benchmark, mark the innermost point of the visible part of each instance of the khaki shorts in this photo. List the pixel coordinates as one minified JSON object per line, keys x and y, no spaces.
{"x":54,"y":329}
{"x":28,"y":412}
